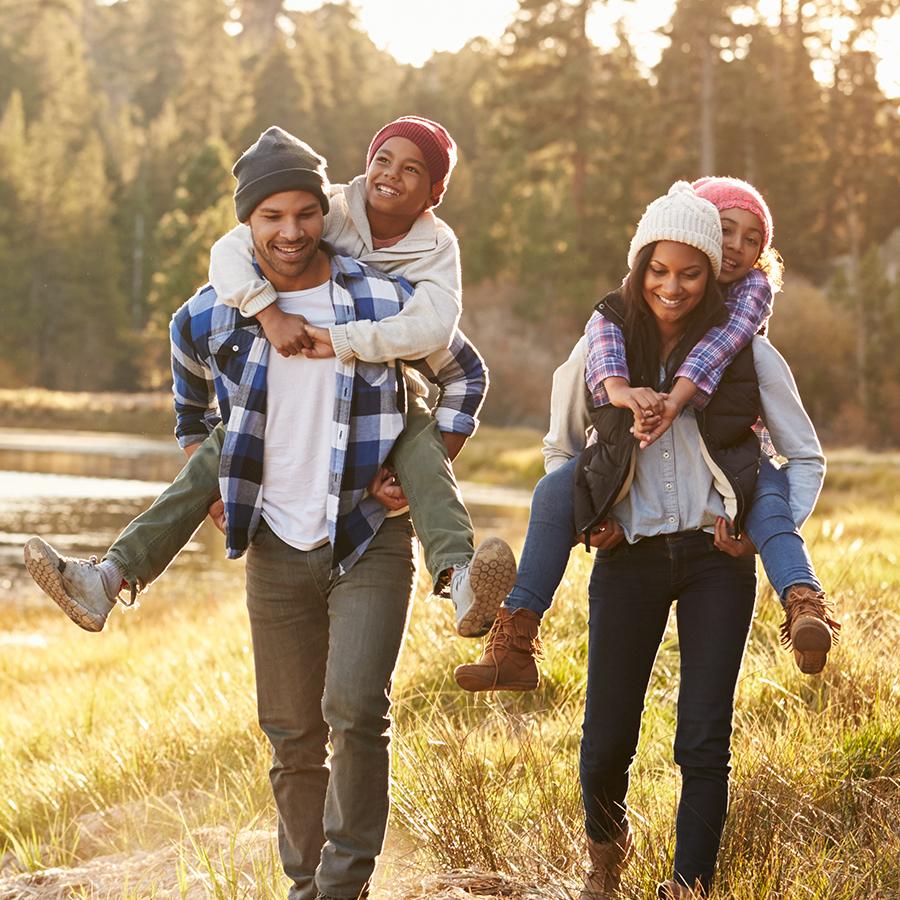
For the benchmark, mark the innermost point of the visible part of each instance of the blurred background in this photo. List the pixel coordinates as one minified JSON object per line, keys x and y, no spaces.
{"x":120,"y":119}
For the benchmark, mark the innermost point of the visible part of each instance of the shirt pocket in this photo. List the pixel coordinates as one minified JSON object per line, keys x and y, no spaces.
{"x":231,"y":350}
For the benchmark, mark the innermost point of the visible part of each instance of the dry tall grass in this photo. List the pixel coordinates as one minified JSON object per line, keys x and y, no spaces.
{"x":131,"y":767}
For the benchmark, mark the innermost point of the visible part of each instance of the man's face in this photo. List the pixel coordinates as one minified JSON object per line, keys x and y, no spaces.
{"x":286,"y":229}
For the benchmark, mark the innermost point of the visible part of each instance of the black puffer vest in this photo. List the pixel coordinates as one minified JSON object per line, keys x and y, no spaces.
{"x":605,"y":469}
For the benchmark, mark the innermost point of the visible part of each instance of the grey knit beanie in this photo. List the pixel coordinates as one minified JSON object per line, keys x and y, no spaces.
{"x":684,"y":217}
{"x":277,"y":162}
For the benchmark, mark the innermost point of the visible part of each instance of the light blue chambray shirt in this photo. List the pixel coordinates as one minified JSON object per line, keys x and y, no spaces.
{"x":673,"y":488}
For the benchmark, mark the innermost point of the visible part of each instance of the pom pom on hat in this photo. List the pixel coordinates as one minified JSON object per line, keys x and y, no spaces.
{"x":733,"y":193}
{"x":684,"y":217}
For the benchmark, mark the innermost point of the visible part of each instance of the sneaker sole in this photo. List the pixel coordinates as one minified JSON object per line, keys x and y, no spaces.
{"x":491,"y":576}
{"x":42,"y":569}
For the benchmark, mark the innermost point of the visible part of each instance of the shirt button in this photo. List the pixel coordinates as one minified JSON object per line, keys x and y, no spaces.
{"x":672,"y":519}
{"x":235,"y":348}
{"x":666,"y":454}
{"x":668,"y":485}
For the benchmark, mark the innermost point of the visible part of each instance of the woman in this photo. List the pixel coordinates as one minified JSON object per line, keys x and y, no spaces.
{"x":653,"y":517}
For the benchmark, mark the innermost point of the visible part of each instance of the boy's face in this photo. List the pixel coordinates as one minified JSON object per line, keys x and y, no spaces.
{"x":286,"y":229}
{"x":398,"y":183}
{"x":742,"y":237}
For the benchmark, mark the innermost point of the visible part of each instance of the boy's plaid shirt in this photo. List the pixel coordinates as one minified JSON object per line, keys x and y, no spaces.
{"x":217,"y":354}
{"x":749,"y":305}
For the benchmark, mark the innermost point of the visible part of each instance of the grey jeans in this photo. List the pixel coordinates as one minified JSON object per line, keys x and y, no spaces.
{"x":324,"y":651}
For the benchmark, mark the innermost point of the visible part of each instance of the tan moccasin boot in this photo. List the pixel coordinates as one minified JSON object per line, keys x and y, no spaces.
{"x":808,"y":628}
{"x":508,"y":661}
{"x":675,"y":890}
{"x":608,"y":860}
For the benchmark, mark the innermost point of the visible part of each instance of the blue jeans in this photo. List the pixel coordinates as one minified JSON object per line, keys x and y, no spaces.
{"x":550,"y":536}
{"x":551,"y":533}
{"x":631,"y":590}
{"x":324,"y":651}
{"x":770,"y":525}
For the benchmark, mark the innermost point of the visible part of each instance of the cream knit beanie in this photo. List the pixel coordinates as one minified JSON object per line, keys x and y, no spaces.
{"x":684,"y":217}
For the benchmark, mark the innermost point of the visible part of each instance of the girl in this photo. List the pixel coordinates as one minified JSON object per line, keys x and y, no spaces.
{"x":750,"y":269}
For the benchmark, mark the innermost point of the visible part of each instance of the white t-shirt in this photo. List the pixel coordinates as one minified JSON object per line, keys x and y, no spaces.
{"x":299,"y":417}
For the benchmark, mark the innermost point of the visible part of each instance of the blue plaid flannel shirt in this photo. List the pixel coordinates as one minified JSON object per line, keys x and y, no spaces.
{"x":220,"y":356}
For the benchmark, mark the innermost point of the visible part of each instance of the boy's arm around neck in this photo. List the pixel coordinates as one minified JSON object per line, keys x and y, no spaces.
{"x":233,"y":277}
{"x":429,"y":317}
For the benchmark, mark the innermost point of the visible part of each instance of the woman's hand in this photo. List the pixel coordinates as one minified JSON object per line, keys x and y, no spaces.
{"x":644,"y":402}
{"x":386,"y":489}
{"x":726,"y":542}
{"x":607,"y":534}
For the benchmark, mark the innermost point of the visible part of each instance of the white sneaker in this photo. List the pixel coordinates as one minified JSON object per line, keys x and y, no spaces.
{"x":75,"y":584}
{"x":478,"y":589}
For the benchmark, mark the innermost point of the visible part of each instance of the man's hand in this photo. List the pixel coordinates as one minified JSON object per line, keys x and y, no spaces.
{"x":386,"y":489}
{"x":725,"y":540}
{"x":217,"y":514}
{"x":322,"y":348}
{"x":607,"y":535}
{"x":286,"y":333}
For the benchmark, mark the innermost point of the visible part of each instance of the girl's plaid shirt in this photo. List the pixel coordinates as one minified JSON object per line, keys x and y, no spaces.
{"x":749,"y":305}
{"x":218,"y":356}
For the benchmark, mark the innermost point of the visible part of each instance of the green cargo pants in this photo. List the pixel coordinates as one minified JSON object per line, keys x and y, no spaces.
{"x":151,"y":541}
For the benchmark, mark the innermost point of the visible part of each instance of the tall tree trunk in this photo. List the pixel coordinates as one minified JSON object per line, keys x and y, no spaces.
{"x":707,"y":98}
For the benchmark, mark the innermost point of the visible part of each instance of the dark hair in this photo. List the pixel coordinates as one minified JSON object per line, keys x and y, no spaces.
{"x":642,"y":342}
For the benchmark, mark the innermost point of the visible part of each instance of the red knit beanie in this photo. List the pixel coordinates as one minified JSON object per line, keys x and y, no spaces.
{"x":438,"y":148}
{"x":732,"y":193}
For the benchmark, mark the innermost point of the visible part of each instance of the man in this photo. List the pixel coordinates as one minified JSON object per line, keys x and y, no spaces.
{"x":329,"y":573}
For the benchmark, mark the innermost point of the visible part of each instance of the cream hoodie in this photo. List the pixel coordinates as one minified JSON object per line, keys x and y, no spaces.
{"x":427,"y":257}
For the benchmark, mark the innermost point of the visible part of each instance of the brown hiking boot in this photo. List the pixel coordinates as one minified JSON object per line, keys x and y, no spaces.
{"x":508,"y":661}
{"x":808,"y":628}
{"x":608,"y":860}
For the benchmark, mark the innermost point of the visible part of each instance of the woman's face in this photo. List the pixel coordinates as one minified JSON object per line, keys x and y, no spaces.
{"x":742,"y":236}
{"x":675,"y":281}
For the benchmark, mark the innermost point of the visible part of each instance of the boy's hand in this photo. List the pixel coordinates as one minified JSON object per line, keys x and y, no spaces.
{"x":607,"y":535}
{"x":286,"y":333}
{"x":725,"y":540}
{"x":217,"y":514}
{"x":322,"y":348}
{"x":386,"y":489}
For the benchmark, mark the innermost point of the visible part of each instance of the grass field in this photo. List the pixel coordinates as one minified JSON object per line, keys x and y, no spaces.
{"x":131,"y":765}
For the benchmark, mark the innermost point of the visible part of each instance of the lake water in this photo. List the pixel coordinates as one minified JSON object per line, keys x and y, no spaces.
{"x":78,"y":489}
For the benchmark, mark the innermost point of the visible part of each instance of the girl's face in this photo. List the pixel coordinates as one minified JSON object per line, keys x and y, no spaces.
{"x":397,"y":180}
{"x":675,"y":281}
{"x":742,"y":237}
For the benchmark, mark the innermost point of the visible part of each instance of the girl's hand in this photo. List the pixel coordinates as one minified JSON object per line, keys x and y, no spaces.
{"x":644,"y":402}
{"x":647,"y":431}
{"x":725,"y":540}
{"x":607,"y":535}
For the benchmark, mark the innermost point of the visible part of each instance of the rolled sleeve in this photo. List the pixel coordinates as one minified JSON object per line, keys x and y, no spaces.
{"x":460,"y":373}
